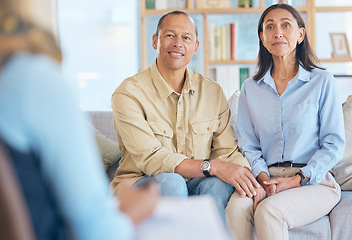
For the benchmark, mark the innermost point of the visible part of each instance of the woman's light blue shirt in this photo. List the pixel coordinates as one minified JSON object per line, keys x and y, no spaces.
{"x":303,"y":125}
{"x":39,"y":113}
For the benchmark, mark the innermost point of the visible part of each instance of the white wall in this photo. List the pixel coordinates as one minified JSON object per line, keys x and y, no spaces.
{"x":99,"y":44}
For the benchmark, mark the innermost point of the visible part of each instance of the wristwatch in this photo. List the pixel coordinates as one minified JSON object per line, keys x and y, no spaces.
{"x":304,"y":180}
{"x":205,"y":167}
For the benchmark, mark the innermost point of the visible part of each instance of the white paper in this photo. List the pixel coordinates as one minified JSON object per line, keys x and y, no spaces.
{"x":184,"y":219}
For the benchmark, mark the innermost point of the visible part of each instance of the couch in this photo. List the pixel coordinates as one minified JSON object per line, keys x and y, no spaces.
{"x":335,"y":225}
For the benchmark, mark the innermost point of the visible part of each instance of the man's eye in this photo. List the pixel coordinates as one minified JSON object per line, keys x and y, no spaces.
{"x":269,"y":27}
{"x":287,"y":25}
{"x":169,"y":35}
{"x":187,"y":38}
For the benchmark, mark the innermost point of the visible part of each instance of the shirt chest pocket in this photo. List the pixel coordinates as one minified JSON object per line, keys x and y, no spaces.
{"x":202,"y":136}
{"x":303,"y":119}
{"x":163,"y":133}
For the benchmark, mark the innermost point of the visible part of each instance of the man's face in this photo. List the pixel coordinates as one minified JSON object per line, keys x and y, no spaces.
{"x":176,"y":43}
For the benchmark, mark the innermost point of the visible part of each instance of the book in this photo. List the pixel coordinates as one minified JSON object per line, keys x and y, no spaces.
{"x":228,"y":41}
{"x":160,"y":4}
{"x":213,"y":4}
{"x":245,"y":3}
{"x":233,"y":41}
{"x":244,"y":74}
{"x":181,"y":4}
{"x":234,"y":79}
{"x":228,"y":78}
{"x":211,"y":41}
{"x":223,"y":43}
{"x":217,"y":43}
{"x":150,"y":4}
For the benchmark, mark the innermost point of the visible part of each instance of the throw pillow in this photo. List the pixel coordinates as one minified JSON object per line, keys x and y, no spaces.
{"x":233,"y":105}
{"x":109,"y":149}
{"x":343,"y":170}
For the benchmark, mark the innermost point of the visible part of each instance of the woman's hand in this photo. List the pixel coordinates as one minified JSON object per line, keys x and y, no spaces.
{"x":270,"y":189}
{"x":284,"y":183}
{"x":138,"y":203}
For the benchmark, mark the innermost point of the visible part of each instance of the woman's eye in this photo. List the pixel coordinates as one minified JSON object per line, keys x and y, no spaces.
{"x":187,"y":38}
{"x":287,"y":25}
{"x":269,"y":27}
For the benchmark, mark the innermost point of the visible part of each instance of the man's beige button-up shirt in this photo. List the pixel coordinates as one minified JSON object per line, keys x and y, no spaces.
{"x":158,"y":128}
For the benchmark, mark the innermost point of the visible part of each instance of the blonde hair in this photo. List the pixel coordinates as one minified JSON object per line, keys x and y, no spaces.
{"x":19,"y":33}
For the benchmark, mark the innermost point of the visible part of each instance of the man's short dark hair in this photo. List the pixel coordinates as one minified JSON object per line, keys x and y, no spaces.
{"x":176,"y":12}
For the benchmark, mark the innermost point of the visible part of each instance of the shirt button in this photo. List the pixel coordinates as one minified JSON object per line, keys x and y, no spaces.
{"x":164,"y":131}
{"x":179,"y":127}
{"x":208,"y":128}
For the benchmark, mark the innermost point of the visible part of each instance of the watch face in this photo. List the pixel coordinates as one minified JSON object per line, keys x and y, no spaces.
{"x":304,"y":181}
{"x":205,"y":165}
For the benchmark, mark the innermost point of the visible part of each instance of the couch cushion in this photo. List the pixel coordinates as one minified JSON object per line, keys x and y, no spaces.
{"x":320,"y":229}
{"x":341,"y":218}
{"x":343,"y":170}
{"x":233,"y":105}
{"x":103,"y":121}
{"x":109,"y":149}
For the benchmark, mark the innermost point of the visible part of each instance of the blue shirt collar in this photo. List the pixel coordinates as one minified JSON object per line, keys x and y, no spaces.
{"x":303,"y":75}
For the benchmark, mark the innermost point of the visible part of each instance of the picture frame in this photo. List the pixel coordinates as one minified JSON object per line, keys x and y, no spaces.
{"x":340,"y":48}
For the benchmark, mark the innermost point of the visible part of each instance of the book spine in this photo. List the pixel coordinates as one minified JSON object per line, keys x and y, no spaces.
{"x":181,"y":4}
{"x":244,"y":74}
{"x":150,"y":4}
{"x":217,"y":44}
{"x":233,"y":41}
{"x":161,"y":4}
{"x":223,"y":43}
{"x":211,"y":41}
{"x":228,"y":41}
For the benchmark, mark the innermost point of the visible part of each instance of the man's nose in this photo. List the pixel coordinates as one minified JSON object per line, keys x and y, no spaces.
{"x":178,"y":42}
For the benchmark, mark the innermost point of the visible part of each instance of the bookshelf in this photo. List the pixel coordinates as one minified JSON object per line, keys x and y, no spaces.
{"x":309,"y":11}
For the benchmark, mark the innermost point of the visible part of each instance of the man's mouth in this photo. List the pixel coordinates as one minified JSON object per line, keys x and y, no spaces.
{"x":176,"y":54}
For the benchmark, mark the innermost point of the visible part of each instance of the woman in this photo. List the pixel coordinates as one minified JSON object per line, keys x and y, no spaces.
{"x":52,"y":148}
{"x":290,"y":127}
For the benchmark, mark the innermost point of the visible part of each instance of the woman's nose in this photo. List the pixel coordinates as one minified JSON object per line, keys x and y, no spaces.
{"x":278,"y":34}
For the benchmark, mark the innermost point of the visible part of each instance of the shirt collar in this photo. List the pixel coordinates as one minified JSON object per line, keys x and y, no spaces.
{"x":163,"y":88}
{"x":303,"y":75}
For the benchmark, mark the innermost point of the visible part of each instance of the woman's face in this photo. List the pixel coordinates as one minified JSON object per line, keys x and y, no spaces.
{"x":281,"y":33}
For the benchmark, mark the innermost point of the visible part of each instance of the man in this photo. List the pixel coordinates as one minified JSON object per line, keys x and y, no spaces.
{"x":171,"y":121}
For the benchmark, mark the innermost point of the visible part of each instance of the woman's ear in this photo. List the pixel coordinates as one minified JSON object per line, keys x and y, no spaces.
{"x":261,"y":38}
{"x":302,"y":33}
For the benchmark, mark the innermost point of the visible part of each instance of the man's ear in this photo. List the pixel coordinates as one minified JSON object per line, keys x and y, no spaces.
{"x":155,"y":41}
{"x":196,"y":48}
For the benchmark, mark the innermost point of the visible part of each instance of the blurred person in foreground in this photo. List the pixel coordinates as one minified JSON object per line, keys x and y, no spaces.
{"x":52,"y":147}
{"x":290,"y":127}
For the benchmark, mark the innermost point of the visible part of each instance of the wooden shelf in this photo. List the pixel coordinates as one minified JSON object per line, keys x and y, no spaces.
{"x":232,"y":62}
{"x":333,"y":9}
{"x":310,"y":10}
{"x":335,"y":60}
